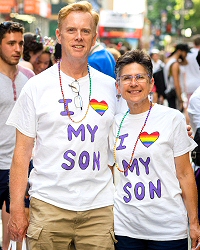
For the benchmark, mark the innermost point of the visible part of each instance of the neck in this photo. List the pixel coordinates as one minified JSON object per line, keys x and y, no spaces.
{"x":8,"y":70}
{"x":76,"y":71}
{"x":138,"y":108}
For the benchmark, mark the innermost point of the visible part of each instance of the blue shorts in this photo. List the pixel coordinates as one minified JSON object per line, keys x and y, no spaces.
{"x":4,"y":188}
{"x":127,"y":243}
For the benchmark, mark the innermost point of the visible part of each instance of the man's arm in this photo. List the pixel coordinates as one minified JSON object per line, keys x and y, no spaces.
{"x":18,"y":222}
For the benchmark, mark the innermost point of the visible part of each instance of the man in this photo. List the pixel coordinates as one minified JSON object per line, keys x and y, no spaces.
{"x":158,"y":75}
{"x":102,"y":60}
{"x":155,"y":58}
{"x":12,"y":79}
{"x":192,"y":68}
{"x":173,"y":76}
{"x":68,"y":110}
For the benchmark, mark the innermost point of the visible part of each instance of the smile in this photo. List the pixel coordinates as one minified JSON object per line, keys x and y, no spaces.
{"x":134,"y":91}
{"x":78,"y":46}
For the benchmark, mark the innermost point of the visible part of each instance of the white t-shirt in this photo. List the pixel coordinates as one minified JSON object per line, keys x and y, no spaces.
{"x":194,"y":110}
{"x":70,"y":159}
{"x":192,"y":72}
{"x":8,"y":133}
{"x":157,"y":65}
{"x":148,"y":202}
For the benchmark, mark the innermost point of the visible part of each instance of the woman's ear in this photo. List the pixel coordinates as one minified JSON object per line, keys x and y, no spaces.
{"x":151,"y":85}
{"x":117,"y":87}
{"x":118,"y":91}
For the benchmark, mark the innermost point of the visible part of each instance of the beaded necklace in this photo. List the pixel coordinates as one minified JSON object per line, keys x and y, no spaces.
{"x":117,"y":137}
{"x":64,"y":100}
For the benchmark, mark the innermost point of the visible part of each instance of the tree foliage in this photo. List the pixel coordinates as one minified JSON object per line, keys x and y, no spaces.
{"x":173,"y":13}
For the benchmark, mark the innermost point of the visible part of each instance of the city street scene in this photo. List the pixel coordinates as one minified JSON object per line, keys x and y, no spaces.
{"x":99,"y":124}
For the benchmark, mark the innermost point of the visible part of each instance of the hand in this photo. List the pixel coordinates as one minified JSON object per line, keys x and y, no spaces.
{"x":197,"y":247}
{"x":17,"y":226}
{"x":195,"y":237}
{"x":181,"y":106}
{"x":189,"y":130}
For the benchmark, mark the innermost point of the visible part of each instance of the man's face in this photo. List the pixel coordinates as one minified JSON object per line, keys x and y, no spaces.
{"x":77,"y":35}
{"x":11,"y":48}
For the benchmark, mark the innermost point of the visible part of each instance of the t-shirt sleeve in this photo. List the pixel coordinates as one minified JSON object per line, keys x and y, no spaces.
{"x":182,"y":143}
{"x":23,"y":115}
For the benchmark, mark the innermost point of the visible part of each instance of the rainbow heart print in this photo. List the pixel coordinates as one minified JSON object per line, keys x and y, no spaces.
{"x":148,"y":139}
{"x":99,"y":107}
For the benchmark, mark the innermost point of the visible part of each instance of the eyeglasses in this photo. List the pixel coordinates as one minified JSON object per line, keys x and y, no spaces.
{"x":139,"y":78}
{"x":77,"y":99}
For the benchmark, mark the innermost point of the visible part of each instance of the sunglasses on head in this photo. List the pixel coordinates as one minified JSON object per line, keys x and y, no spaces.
{"x":7,"y":24}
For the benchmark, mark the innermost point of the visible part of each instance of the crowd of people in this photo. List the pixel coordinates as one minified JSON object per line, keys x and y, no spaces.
{"x":67,"y":112}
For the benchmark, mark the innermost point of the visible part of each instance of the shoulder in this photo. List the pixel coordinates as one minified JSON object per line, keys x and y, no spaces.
{"x":101,"y":76}
{"x":167,"y":112}
{"x":26,"y":64}
{"x":26,"y":71}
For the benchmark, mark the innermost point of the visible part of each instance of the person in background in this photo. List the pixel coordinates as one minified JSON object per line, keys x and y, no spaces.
{"x":172,"y":74}
{"x":44,"y":60}
{"x":33,"y":48}
{"x":194,"y":115}
{"x":12,"y":78}
{"x":57,"y":54}
{"x":198,"y":58}
{"x":156,"y":196}
{"x":156,"y":62}
{"x":157,"y":66}
{"x":114,"y":52}
{"x":68,"y":110}
{"x":102,"y":59}
{"x":192,"y":68}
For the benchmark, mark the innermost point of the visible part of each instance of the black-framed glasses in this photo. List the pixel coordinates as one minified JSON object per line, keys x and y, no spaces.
{"x":139,"y":78}
{"x":78,"y":102}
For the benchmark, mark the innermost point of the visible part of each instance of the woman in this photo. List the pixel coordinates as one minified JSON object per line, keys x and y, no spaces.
{"x":33,"y":47}
{"x":44,"y":61}
{"x":150,"y":146}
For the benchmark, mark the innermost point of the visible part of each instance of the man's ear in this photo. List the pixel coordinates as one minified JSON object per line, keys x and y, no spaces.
{"x":58,"y":35}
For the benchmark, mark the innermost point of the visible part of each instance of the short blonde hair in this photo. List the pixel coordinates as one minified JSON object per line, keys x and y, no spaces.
{"x":83,"y":6}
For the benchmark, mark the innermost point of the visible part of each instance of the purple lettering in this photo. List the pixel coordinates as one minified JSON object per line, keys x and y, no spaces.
{"x":84,"y":163}
{"x":139,"y":196}
{"x":146,"y":164}
{"x":96,"y":161}
{"x":71,"y":130}
{"x":127,"y":185}
{"x":92,"y":131}
{"x":153,"y":189}
{"x":133,"y":166}
{"x":121,"y":137}
{"x":66,"y":112}
{"x":66,"y":157}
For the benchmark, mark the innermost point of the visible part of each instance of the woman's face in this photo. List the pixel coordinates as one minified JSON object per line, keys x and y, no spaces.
{"x":42,"y":63}
{"x":34,"y":57}
{"x":135,"y":85}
